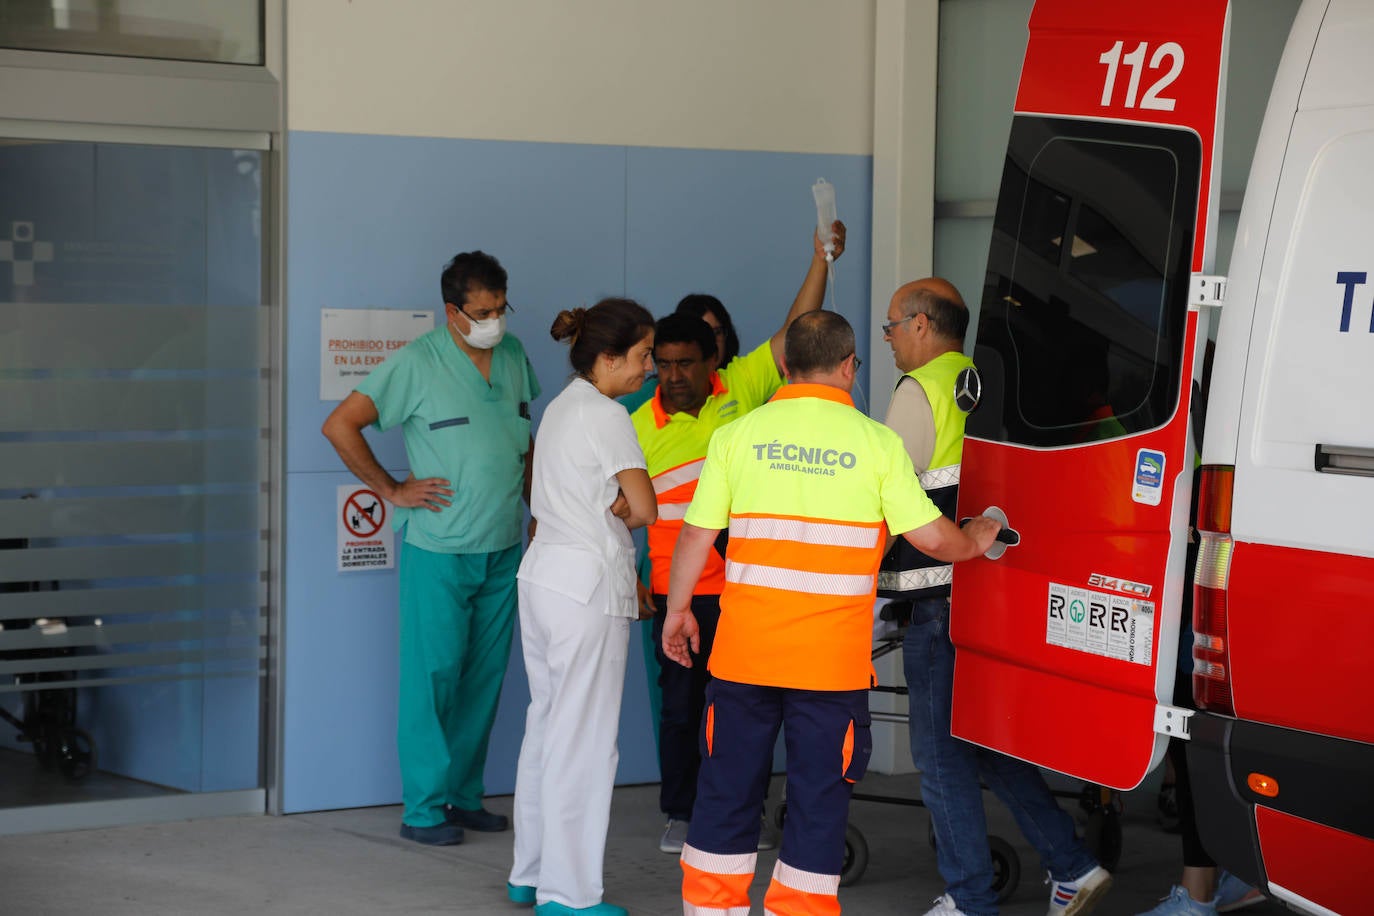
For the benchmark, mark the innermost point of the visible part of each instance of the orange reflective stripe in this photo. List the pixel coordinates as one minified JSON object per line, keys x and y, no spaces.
{"x":794,"y":583}
{"x":662,"y":540}
{"x":798,"y":554}
{"x":847,"y":751}
{"x":710,"y":728}
{"x":716,"y":884}
{"x":676,"y":477}
{"x":794,"y":892}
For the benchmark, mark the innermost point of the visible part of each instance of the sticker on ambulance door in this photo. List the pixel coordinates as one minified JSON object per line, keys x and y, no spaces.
{"x":1149,"y":477}
{"x":1100,"y":623}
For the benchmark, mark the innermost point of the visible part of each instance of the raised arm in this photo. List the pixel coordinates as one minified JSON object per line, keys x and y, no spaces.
{"x":344,"y":430}
{"x":811,"y":296}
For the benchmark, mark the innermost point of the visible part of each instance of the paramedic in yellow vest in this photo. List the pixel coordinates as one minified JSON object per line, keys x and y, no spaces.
{"x":926,"y":323}
{"x":693,"y":400}
{"x":810,"y":489}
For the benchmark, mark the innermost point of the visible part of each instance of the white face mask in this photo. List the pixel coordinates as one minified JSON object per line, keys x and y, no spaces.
{"x":485,"y":334}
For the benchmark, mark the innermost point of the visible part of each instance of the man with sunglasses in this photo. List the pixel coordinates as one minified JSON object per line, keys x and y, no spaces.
{"x":926,"y":323}
{"x":461,"y":394}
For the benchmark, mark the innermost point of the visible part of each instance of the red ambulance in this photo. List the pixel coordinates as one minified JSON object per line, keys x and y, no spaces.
{"x":1090,"y":343}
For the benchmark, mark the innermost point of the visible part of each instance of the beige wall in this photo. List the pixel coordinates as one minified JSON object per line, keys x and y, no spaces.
{"x":780,"y":75}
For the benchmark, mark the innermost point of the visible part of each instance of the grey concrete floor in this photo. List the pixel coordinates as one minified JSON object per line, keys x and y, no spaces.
{"x":353,"y":862}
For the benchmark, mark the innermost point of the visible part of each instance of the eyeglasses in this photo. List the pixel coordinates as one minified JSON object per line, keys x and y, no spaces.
{"x":892,"y":325}
{"x":489,"y":314}
{"x":857,"y":363}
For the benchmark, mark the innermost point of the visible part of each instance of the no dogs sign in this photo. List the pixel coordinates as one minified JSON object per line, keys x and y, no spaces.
{"x":366,"y":540}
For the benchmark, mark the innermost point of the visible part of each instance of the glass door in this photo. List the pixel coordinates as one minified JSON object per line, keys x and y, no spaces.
{"x":134,"y":471}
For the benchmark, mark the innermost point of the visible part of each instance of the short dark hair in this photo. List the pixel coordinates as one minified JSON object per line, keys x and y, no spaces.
{"x":817,"y":342}
{"x":948,"y":318}
{"x":468,"y":270}
{"x":697,"y":305}
{"x":682,"y":328}
{"x":612,"y":326}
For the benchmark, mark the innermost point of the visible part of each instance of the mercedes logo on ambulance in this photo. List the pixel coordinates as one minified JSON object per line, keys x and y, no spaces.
{"x":968,"y":389}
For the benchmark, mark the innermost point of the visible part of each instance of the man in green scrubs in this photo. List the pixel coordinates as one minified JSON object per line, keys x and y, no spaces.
{"x":461,"y":395}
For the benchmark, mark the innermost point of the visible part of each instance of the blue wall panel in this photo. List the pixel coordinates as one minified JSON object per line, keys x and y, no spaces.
{"x":371,"y":222}
{"x":738,"y":225}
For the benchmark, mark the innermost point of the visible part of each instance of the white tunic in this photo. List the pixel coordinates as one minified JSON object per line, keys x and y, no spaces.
{"x":584,"y":440}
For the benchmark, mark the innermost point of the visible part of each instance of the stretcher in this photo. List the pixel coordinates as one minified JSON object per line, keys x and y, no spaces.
{"x":47,"y":720}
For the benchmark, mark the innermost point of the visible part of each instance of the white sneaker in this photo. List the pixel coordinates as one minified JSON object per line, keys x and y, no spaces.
{"x":768,"y":837}
{"x":944,"y":906}
{"x":674,"y":835}
{"x":1079,"y":896}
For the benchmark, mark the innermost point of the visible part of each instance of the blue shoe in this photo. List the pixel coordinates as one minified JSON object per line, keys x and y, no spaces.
{"x":478,"y":819}
{"x":601,"y":909}
{"x":1234,"y":894}
{"x":441,"y":835}
{"x":521,"y":894}
{"x":1178,"y":903}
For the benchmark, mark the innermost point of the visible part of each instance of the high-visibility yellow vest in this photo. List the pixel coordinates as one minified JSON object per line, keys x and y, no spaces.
{"x":808,"y":487}
{"x":675,"y":447}
{"x":906,"y":572}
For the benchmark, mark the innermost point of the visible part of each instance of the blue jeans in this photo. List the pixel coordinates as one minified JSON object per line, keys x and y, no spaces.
{"x":951,"y":770}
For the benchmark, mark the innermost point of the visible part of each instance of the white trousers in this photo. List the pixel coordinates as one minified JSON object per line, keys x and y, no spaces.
{"x":575,"y":661}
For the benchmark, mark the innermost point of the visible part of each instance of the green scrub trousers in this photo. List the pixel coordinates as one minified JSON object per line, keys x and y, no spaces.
{"x":457,"y":620}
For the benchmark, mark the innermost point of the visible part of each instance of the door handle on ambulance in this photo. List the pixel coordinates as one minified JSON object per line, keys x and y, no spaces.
{"x":1006,"y":537}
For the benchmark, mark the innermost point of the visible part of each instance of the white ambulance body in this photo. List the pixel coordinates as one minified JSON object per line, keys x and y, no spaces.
{"x":1282,"y":753}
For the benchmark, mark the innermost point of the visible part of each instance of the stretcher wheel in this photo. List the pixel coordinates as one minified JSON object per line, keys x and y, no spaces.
{"x":1006,"y":864}
{"x":855,"y":848}
{"x":44,"y":749}
{"x":855,"y":856}
{"x":1006,"y":868}
{"x":75,"y":754}
{"x":1102,"y":836}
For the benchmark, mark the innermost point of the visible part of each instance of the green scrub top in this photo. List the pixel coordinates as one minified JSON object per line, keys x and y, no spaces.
{"x":459,"y":427}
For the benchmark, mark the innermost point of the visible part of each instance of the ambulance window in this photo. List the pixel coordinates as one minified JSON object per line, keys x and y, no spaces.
{"x":1081,"y":331}
{"x":1042,"y":217}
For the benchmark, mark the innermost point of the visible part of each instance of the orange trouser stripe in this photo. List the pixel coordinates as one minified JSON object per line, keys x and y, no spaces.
{"x":847,"y":751}
{"x":794,"y":892}
{"x":709,"y":892}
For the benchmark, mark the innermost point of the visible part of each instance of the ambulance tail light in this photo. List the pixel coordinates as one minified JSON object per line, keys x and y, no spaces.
{"x":1211,"y":654}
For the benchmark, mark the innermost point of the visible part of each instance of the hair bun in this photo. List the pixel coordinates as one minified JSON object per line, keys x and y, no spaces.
{"x":569,"y":324}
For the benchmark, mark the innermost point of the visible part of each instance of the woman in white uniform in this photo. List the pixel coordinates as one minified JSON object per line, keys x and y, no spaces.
{"x":577,"y":599}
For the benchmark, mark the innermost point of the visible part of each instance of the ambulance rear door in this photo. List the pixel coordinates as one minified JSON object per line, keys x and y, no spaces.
{"x":1087,"y":345}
